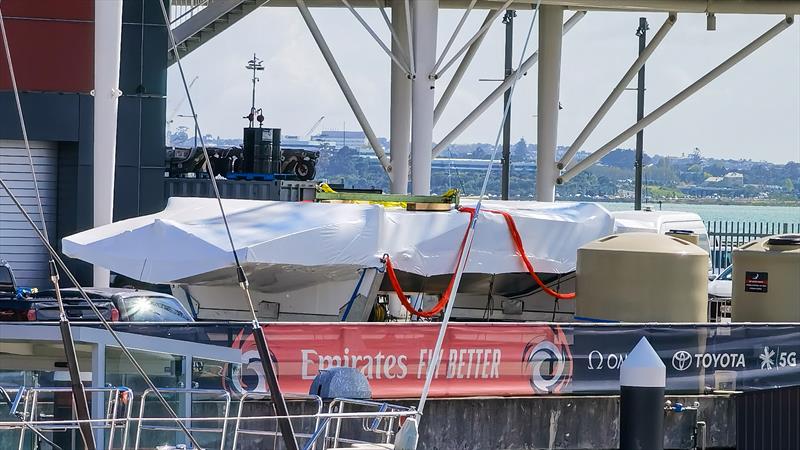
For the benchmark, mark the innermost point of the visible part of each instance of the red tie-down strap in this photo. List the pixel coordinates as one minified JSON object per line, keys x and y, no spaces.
{"x":518,"y":246}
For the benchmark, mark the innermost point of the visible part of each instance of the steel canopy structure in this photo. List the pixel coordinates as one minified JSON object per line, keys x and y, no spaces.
{"x":417,"y":68}
{"x":678,"y":6}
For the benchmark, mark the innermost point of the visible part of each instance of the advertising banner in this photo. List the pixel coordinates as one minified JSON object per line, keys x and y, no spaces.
{"x":476,"y":359}
{"x":522,"y":359}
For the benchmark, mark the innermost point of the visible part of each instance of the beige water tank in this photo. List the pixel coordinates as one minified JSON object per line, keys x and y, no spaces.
{"x":642,"y":277}
{"x":766,"y":280}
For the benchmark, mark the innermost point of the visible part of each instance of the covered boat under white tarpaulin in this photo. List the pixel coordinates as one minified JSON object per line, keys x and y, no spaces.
{"x":187,"y":242}
{"x":307,"y":256}
{"x":428,"y":243}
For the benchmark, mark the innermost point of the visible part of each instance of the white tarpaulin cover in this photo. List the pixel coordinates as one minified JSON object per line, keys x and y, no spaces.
{"x":428,"y":243}
{"x":188,"y":239}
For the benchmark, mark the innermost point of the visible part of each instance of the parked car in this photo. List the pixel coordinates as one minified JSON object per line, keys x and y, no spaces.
{"x":136,"y":306}
{"x":720,"y":290}
{"x":8,"y":285}
{"x":46,"y":309}
{"x":29,"y":305}
{"x":722,"y":285}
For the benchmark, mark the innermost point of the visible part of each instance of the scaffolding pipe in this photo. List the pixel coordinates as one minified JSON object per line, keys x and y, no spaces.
{"x":460,"y":71}
{"x":677,"y":99}
{"x":348,"y":93}
{"x":498,"y":92}
{"x":617,"y":91}
{"x":475,"y":37}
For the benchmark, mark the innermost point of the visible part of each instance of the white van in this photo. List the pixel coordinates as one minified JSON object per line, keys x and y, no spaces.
{"x":661,"y":222}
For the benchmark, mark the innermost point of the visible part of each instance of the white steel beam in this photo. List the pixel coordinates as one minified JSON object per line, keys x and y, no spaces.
{"x":781,"y":7}
{"x":498,"y":92}
{"x":425,"y":17}
{"x":400,"y":109}
{"x":377,"y":38}
{"x":344,"y":86}
{"x":617,"y":91}
{"x":696,"y":6}
{"x":550,"y":40}
{"x":410,"y":38}
{"x":475,"y":37}
{"x":455,"y":33}
{"x":677,"y":99}
{"x":107,"y":47}
{"x":397,"y":46}
{"x":459,"y":73}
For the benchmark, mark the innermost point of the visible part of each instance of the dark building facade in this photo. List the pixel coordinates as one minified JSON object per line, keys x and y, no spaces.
{"x":52,"y":46}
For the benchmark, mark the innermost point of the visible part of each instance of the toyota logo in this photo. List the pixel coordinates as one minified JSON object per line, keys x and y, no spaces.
{"x":681,"y":360}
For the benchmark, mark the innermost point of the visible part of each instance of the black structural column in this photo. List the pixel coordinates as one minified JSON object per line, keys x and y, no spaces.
{"x":642,"y":33}
{"x":508,"y":19}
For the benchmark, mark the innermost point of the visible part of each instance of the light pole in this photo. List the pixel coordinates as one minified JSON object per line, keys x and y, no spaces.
{"x":255,"y":65}
{"x":508,"y":20}
{"x":641,"y":32}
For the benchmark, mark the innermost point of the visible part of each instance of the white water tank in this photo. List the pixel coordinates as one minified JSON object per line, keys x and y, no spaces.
{"x":641,"y":277}
{"x":766,"y":280}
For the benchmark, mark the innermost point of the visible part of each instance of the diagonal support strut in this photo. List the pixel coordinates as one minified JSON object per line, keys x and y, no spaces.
{"x":498,"y":92}
{"x":677,"y":99}
{"x":344,"y":86}
{"x":617,"y":91}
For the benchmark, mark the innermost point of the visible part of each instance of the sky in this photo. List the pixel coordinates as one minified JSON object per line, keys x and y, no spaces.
{"x":751,"y":112}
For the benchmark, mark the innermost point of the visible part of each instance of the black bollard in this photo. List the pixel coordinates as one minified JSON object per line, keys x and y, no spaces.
{"x":641,"y":408}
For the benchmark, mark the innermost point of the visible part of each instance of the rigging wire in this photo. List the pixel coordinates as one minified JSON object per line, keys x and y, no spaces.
{"x":55,"y":262}
{"x":473,"y":225}
{"x":22,"y":126}
{"x":240,"y":274}
{"x":259,"y":336}
{"x":99,"y":314}
{"x":78,"y":390}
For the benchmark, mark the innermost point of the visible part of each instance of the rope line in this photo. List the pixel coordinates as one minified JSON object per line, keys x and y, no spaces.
{"x":519,"y":248}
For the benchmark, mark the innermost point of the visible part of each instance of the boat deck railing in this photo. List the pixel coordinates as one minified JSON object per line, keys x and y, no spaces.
{"x":249,"y":426}
{"x":384,"y":427}
{"x":346,"y":423}
{"x":38,"y":413}
{"x":193,"y":397}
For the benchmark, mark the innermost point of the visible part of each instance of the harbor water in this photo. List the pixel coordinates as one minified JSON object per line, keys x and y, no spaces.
{"x":738,"y":213}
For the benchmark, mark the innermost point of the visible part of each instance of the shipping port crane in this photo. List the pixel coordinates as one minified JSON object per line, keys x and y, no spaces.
{"x":313,"y":128}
